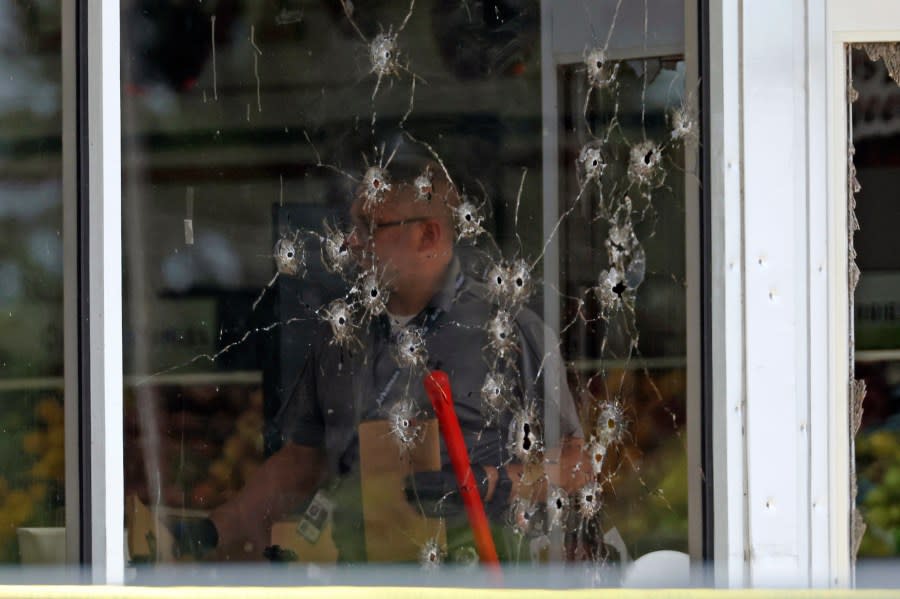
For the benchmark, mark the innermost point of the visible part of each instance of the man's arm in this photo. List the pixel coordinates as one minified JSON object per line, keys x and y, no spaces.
{"x":276,"y":488}
{"x":566,"y":468}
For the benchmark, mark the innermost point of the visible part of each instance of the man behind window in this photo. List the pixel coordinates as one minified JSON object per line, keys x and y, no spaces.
{"x":405,"y":233}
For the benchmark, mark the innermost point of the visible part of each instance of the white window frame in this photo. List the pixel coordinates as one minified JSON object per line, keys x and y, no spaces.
{"x":99,"y":479}
{"x":780,"y":296}
{"x":849,"y":21}
{"x":104,"y":292}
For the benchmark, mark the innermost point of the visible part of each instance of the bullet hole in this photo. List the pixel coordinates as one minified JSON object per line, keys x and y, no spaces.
{"x":424,"y":185}
{"x":683,"y":125}
{"x":611,"y":425}
{"x":589,"y":500}
{"x":645,"y":165}
{"x":339,"y":316}
{"x":336,"y":257}
{"x":523,"y":516}
{"x":600,"y":73}
{"x":405,"y":428}
{"x":409,"y":348}
{"x":496,"y":392}
{"x":501,"y":336}
{"x":509,"y":284}
{"x":525,"y":441}
{"x":431,"y":556}
{"x":557,"y":509}
{"x":375,"y":184}
{"x":468,"y":221}
{"x":591,"y":163}
{"x":290,"y":257}
{"x":372,"y":294}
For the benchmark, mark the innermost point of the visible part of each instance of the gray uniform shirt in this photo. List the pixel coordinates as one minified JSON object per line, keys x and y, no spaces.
{"x":340,"y":387}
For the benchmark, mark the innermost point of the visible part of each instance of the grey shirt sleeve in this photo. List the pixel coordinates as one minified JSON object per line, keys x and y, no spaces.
{"x":300,"y":418}
{"x":540,"y":353}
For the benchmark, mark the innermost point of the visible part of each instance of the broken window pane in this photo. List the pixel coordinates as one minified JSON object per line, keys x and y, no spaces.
{"x":325,"y":204}
{"x":875,"y":409}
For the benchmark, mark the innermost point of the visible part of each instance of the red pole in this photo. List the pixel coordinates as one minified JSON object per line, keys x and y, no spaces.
{"x":437,"y":385}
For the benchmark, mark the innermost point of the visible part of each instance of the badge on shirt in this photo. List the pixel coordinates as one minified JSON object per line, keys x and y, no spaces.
{"x":315,"y":517}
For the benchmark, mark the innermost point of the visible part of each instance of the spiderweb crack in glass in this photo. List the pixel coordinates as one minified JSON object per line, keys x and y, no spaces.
{"x":336,"y":255}
{"x":614,"y":176}
{"x":340,"y":319}
{"x":403,"y":417}
{"x":432,"y":555}
{"x":409,"y":348}
{"x":290,"y":257}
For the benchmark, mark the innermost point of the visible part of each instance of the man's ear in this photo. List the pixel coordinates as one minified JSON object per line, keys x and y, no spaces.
{"x":432,"y":234}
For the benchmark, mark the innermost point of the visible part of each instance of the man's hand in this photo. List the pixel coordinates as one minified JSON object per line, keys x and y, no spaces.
{"x":438,"y":492}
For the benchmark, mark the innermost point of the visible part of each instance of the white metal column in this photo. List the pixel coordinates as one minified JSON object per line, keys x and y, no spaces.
{"x":104,"y":258}
{"x":763,"y":168}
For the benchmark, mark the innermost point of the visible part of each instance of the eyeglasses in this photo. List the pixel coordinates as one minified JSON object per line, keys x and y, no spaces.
{"x":367,"y":230}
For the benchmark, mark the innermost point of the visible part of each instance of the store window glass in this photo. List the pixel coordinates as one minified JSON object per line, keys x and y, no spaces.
{"x":32,"y":461}
{"x":876,"y":165}
{"x":326,"y":205}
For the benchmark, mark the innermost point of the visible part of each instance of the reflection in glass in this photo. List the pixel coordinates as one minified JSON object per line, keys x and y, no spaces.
{"x":324,"y":203}
{"x":31,"y":355}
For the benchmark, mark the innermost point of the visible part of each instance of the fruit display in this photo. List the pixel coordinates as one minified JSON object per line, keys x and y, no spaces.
{"x":877,"y":447}
{"x":32,"y":463}
{"x":646,"y":495}
{"x":878,"y":472}
{"x":191,"y":447}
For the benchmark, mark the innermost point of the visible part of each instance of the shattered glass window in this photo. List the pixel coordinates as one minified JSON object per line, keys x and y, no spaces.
{"x":32,"y":452}
{"x":874,"y":96}
{"x":342,"y":267}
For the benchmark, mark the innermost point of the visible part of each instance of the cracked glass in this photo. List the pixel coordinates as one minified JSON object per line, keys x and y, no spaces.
{"x":368,"y":321}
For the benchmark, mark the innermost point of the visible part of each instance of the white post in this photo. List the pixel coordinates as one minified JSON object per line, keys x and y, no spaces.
{"x":727,"y":294}
{"x":105,"y":292}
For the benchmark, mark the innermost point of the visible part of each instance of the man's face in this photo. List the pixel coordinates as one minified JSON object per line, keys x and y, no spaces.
{"x":387,"y":237}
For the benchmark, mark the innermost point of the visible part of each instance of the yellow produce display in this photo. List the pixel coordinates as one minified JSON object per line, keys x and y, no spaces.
{"x":878,"y":471}
{"x":32,"y":462}
{"x":200,"y":442}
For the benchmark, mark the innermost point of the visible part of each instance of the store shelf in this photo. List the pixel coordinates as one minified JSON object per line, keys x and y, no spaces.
{"x":51,"y":383}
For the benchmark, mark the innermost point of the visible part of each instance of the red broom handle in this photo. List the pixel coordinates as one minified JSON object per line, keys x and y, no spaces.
{"x":437,"y":385}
